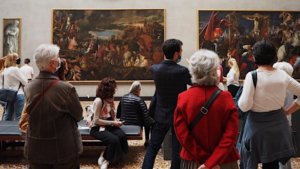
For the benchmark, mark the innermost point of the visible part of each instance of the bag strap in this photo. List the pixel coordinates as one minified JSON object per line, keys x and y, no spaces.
{"x":254,"y":77}
{"x":204,"y":109}
{"x":38,"y":98}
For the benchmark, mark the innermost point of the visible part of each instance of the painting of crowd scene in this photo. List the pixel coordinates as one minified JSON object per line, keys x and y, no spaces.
{"x":232,"y":34}
{"x":122,"y":44}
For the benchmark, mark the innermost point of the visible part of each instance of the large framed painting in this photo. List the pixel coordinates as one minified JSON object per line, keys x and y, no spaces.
{"x":233,"y":33}
{"x":122,"y":44}
{"x":11,"y":36}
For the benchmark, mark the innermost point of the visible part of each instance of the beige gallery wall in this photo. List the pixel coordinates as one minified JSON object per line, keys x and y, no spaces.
{"x":181,"y":22}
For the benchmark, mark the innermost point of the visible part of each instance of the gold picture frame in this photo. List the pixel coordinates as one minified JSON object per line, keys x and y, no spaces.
{"x":11,"y":36}
{"x":120,"y":43}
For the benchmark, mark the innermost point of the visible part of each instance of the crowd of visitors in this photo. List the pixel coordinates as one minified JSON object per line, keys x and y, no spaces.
{"x":187,"y":102}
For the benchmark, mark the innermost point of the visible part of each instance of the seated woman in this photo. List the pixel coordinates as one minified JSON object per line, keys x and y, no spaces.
{"x":133,"y":110}
{"x":210,"y":143}
{"x":105,"y":127}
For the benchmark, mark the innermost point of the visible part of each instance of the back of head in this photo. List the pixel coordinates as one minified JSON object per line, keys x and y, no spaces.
{"x":106,"y":88}
{"x":264,"y":53}
{"x":10,"y":60}
{"x":288,"y":68}
{"x":27,"y":61}
{"x":203,"y":67}
{"x":44,"y":54}
{"x":135,"y":87}
{"x":171,"y":46}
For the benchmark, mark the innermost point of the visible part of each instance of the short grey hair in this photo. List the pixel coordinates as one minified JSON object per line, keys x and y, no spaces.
{"x":44,"y":54}
{"x":285,"y":66}
{"x":203,"y":66}
{"x":135,"y":86}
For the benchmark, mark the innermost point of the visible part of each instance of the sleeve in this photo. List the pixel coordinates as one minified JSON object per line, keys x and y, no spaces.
{"x":19,"y":75}
{"x":185,"y":137}
{"x":297,"y":101}
{"x":228,"y":140}
{"x":75,"y":108}
{"x":294,"y":87}
{"x":246,"y":100}
{"x":148,"y":121}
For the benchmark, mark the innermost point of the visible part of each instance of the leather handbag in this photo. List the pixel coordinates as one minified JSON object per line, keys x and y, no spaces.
{"x":8,"y":95}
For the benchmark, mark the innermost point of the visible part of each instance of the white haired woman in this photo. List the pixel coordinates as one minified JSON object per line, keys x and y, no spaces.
{"x":232,"y":77}
{"x":211,"y":142}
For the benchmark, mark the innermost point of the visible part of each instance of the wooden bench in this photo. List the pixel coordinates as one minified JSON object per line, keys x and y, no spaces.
{"x":9,"y":132}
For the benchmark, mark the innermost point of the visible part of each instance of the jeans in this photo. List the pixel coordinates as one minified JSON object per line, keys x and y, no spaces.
{"x":158,"y":134}
{"x":13,"y":110}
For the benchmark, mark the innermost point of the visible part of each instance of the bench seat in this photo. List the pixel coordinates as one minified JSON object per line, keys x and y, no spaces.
{"x":9,"y":131}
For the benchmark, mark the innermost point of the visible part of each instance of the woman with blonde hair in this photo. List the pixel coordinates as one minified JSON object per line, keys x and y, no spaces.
{"x":232,"y":77}
{"x":13,"y":78}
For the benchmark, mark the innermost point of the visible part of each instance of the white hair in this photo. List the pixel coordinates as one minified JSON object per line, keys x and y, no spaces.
{"x":203,"y":66}
{"x":285,"y":66}
{"x":43,"y":54}
{"x":135,"y":86}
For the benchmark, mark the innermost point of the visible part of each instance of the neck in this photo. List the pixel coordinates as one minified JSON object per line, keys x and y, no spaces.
{"x":266,"y":67}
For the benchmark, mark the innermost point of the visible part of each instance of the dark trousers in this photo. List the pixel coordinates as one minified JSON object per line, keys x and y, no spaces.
{"x":115,"y":140}
{"x":73,"y":164}
{"x":158,"y":134}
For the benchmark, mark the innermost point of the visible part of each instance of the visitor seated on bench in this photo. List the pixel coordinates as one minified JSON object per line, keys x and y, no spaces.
{"x":132,"y":109}
{"x":105,"y":127}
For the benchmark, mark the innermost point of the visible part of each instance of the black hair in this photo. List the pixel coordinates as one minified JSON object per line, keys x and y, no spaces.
{"x":171,"y":46}
{"x":27,"y":61}
{"x":264,"y":53}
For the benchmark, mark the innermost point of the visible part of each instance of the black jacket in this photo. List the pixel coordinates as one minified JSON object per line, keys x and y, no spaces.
{"x":133,"y":110}
{"x":170,"y":79}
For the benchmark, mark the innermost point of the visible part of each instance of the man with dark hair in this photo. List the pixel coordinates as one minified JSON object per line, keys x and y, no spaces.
{"x":27,"y":70}
{"x":170,"y":79}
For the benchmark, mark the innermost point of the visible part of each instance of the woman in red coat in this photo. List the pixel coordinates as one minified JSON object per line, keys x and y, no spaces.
{"x":211,"y":144}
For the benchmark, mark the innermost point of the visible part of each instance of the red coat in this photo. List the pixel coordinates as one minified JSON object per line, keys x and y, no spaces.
{"x":213,"y":139}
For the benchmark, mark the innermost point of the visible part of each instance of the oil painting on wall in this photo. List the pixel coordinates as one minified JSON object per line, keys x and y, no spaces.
{"x":233,"y":33}
{"x":122,"y":44}
{"x":11,"y":36}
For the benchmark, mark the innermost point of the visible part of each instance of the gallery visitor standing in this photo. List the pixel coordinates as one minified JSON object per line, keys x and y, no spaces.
{"x":170,"y":79}
{"x":27,"y":70}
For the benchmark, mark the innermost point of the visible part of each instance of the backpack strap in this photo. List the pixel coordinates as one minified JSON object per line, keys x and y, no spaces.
{"x":254,"y":77}
{"x":204,"y":109}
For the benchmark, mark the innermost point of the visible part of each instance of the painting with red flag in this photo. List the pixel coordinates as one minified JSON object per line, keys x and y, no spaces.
{"x":231,"y":34}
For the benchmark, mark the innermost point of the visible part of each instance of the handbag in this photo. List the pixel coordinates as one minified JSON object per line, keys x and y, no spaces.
{"x":8,"y":95}
{"x":204,"y":109}
{"x":23,"y":123}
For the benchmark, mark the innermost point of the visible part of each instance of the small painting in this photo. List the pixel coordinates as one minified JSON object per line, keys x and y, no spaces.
{"x":11,"y":36}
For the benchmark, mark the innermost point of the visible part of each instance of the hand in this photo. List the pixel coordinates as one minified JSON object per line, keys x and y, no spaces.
{"x":117,"y":123}
{"x":204,"y":167}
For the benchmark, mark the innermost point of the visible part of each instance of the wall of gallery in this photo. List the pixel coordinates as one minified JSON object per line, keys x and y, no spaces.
{"x":181,"y":21}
